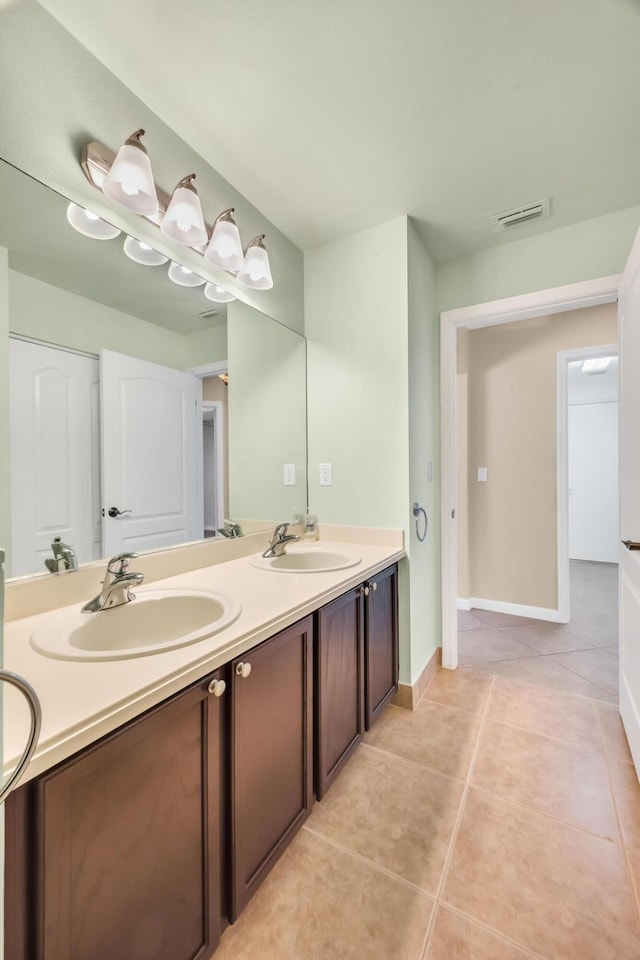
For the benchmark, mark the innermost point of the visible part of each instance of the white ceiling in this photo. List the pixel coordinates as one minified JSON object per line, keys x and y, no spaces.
{"x":335,"y":115}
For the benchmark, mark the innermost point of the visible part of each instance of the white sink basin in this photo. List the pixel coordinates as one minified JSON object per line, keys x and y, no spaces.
{"x":156,"y":620}
{"x":307,"y":559}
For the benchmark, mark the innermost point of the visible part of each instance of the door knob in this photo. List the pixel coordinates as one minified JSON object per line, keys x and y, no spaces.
{"x":631,"y":545}
{"x":114,"y":512}
{"x":217,"y":687}
{"x":243,"y":669}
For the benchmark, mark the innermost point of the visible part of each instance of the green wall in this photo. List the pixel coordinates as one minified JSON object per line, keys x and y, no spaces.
{"x":5,"y":471}
{"x":370,"y":324}
{"x":583,"y":251}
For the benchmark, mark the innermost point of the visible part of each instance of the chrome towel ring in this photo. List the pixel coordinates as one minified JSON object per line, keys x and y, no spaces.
{"x":34,"y":732}
{"x":419,"y":511}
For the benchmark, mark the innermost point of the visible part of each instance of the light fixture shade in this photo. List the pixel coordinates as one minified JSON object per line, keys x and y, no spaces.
{"x":218,"y":294}
{"x":184,"y":276}
{"x":130,"y":180}
{"x":89,"y":224}
{"x":143,"y":253}
{"x":225,"y":246}
{"x":596,"y":365}
{"x":183,"y":221}
{"x":256,"y":272}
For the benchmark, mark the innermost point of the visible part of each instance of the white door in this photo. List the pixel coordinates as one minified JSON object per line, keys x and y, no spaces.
{"x":593,"y":482}
{"x":55,"y":457}
{"x":629,"y":318}
{"x":149,"y":454}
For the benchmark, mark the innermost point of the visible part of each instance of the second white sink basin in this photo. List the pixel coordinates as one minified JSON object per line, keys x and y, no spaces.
{"x":156,"y":620}
{"x":307,"y":559}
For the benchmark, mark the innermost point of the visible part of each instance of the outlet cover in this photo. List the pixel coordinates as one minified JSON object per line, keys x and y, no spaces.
{"x":289,"y":474}
{"x":326,"y":474}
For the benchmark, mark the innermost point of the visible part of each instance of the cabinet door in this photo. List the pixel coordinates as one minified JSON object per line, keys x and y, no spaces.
{"x":127,"y":839}
{"x":381,"y":642}
{"x":271,"y":754}
{"x":339,"y":685}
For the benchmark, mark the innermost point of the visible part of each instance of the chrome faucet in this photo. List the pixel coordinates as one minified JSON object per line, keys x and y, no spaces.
{"x":64,"y":557}
{"x":231,"y":530}
{"x":116,"y":586}
{"x":281,"y":537}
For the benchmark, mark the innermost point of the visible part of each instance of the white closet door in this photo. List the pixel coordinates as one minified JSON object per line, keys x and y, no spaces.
{"x":55,"y":469}
{"x":629,"y":319}
{"x":149,"y":455}
{"x":593,"y":482}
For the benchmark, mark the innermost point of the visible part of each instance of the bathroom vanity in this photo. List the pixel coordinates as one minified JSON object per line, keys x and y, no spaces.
{"x":148,"y":841}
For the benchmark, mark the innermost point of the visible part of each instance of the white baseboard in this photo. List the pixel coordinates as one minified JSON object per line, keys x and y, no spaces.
{"x":516,"y":610}
{"x":464,"y":604}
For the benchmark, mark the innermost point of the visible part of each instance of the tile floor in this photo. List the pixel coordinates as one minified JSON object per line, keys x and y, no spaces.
{"x":579,"y":657}
{"x":498,"y":821}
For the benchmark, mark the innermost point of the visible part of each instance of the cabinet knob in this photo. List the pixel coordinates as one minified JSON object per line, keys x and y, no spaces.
{"x":217,"y":687}
{"x":374,"y":586}
{"x":243,"y":669}
{"x":364,"y":591}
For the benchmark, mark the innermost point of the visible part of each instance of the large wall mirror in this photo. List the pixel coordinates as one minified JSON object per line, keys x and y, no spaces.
{"x":141,"y":414}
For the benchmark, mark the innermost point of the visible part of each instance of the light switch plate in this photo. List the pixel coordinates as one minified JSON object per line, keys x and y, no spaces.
{"x":289,"y":474}
{"x":482,"y":474}
{"x":326,"y":474}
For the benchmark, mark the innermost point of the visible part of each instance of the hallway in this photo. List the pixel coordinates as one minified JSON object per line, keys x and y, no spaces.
{"x":498,"y":821}
{"x":579,"y":657}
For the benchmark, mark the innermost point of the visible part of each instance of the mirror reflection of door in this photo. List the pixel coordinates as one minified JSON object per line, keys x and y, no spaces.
{"x":143,"y":457}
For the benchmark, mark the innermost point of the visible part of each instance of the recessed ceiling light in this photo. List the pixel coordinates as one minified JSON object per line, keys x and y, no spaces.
{"x":89,"y":224}
{"x":184,"y":276}
{"x":596,"y":365}
{"x":143,"y":253}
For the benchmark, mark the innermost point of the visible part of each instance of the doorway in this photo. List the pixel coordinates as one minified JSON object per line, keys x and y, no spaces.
{"x":541,"y":304}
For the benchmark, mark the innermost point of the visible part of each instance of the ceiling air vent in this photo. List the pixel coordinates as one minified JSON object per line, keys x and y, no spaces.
{"x":511,"y":218}
{"x":209,"y":314}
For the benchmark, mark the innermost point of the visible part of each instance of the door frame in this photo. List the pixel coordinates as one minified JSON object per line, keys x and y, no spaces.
{"x":205,"y":370}
{"x":216,"y":406}
{"x":541,"y":303}
{"x":565,"y":357}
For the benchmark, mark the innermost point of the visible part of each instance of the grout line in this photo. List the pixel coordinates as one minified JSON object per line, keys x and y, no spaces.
{"x":415,"y":763}
{"x":542,"y":813}
{"x":547,"y":736}
{"x":573,"y":672}
{"x":458,"y":820}
{"x":635,"y":892}
{"x":371,"y":863}
{"x":539,"y":686}
{"x":526,"y":951}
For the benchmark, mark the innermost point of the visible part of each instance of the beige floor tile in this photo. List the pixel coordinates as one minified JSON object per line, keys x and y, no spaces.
{"x":489,"y":644}
{"x":468,"y":621}
{"x":547,"y":673}
{"x":394,"y":812}
{"x":613,"y":735}
{"x":499,"y":619}
{"x":458,"y":938}
{"x":460,"y":688}
{"x":626,"y":791}
{"x":599,"y":631}
{"x":547,"y":886}
{"x":592,"y":665}
{"x":434,"y":734}
{"x":320,"y":902}
{"x":549,"y":776}
{"x":547,"y":638}
{"x":549,"y":712}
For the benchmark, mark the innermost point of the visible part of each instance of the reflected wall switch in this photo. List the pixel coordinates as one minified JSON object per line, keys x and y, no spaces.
{"x":289,"y":474}
{"x":482,"y":474}
{"x":326,"y":475}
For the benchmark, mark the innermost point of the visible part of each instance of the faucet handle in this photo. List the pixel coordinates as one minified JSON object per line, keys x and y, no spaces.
{"x":122,"y":559}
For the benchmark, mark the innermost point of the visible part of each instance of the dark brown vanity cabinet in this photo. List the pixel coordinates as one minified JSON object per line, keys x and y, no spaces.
{"x":356,"y":669}
{"x":339,"y":685}
{"x":116,"y":852}
{"x":271,"y":754}
{"x":381,"y":642}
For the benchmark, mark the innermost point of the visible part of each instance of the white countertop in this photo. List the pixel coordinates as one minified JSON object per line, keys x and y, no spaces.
{"x":82,"y":701}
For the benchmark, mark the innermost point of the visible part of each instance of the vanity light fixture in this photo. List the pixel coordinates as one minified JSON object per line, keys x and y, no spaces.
{"x":218,"y":294}
{"x":129,"y":181}
{"x":256,"y":272}
{"x":183,"y":276}
{"x":143,"y":253}
{"x":225,"y":246}
{"x":183,"y":221}
{"x":90,"y":224}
